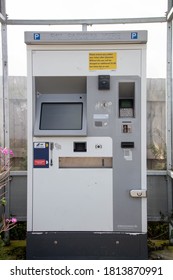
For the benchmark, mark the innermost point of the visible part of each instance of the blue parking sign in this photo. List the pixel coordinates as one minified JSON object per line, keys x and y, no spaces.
{"x":134,"y":35}
{"x":36,"y":36}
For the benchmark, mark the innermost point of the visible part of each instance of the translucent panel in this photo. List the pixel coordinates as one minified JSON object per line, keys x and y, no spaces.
{"x":18,"y":122}
{"x":156,"y":124}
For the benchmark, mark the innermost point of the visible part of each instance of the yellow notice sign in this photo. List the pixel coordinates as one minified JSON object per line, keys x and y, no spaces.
{"x":102,"y":61}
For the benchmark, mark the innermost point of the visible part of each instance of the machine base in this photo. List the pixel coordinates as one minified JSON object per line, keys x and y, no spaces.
{"x":86,"y":246}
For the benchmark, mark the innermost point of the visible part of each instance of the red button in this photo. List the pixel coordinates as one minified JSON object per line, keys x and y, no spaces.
{"x":39,"y":162}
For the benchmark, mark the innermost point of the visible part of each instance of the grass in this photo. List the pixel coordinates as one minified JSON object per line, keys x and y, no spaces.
{"x":15,"y":251}
{"x":160,"y":249}
{"x":164,"y":254}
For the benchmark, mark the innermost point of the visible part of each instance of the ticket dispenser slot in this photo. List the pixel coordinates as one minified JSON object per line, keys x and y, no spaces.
{"x":126,"y":99}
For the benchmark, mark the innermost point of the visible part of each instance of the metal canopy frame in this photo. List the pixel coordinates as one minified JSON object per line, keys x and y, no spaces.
{"x":85,"y":21}
{"x":84,"y":24}
{"x":169,"y":143}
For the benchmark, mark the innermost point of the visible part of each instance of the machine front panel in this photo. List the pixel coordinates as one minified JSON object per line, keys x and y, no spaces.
{"x":96,"y":172}
{"x":86,"y":159}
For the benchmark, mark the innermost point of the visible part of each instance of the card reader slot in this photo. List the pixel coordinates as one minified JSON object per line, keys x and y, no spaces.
{"x":127,"y":145}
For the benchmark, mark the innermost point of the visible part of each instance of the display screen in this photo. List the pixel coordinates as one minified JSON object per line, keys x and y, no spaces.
{"x":126,"y":103}
{"x":61,"y":116}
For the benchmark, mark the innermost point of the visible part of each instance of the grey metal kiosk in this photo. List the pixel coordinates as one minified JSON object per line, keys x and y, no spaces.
{"x":86,"y":145}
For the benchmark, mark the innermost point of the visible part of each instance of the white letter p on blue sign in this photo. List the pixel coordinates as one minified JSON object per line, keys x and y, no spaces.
{"x":36,"y":36}
{"x":134,"y":35}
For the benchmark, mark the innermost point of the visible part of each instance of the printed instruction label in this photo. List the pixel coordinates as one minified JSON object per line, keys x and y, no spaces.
{"x":102,"y":61}
{"x":41,"y":155}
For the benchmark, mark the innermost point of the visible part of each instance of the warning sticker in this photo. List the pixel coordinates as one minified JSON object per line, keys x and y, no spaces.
{"x":102,"y":61}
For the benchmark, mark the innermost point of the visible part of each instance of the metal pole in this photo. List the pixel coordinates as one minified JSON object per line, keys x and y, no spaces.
{"x":84,"y":27}
{"x":169,"y":95}
{"x":169,"y":108}
{"x":5,"y":87}
{"x":6,"y":139}
{"x":170,"y":4}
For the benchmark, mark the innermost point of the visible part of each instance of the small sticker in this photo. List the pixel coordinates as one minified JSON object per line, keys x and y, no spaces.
{"x":127,"y":154}
{"x":39,"y":145}
{"x":126,"y":128}
{"x":58,"y":146}
{"x":100,"y":116}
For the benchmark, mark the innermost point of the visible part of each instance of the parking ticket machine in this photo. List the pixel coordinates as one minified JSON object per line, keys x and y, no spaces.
{"x":86,"y":145}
